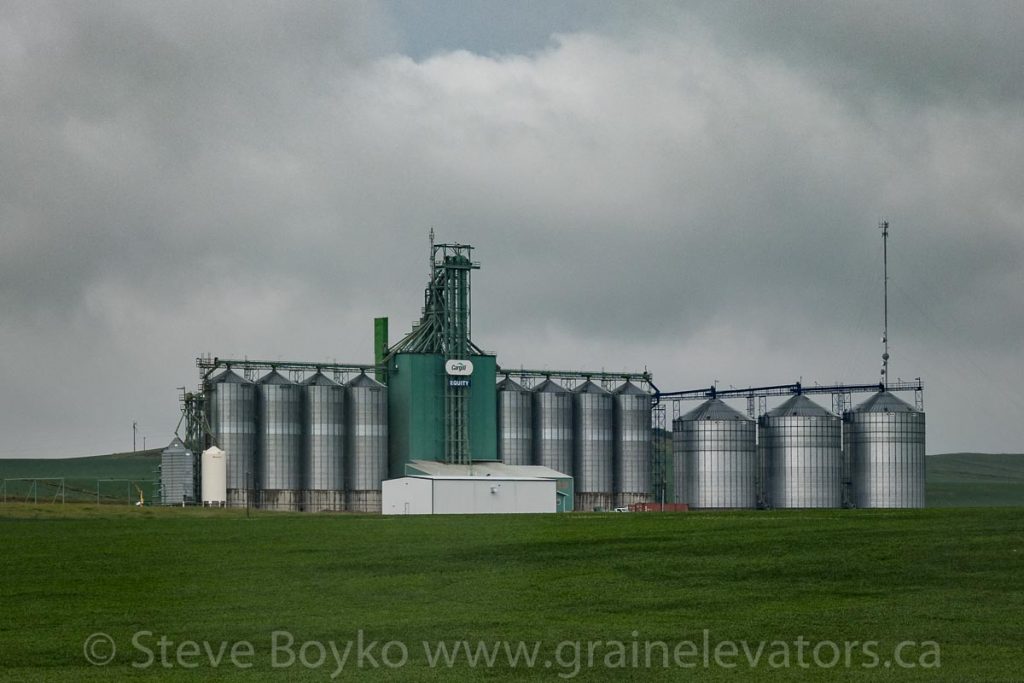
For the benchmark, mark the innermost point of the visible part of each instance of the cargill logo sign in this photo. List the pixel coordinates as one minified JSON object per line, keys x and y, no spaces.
{"x":459,"y":367}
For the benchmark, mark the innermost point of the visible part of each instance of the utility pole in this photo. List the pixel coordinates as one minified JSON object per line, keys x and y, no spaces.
{"x":134,"y":430}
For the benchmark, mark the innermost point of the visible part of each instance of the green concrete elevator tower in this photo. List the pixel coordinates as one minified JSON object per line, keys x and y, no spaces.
{"x":441,"y":386}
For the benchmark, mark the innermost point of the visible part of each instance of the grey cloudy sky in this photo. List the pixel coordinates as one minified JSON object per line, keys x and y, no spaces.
{"x":693,"y":187}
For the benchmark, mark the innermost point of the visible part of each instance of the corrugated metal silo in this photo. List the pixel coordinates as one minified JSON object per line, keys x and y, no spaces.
{"x":593,"y":436}
{"x":884,"y":441}
{"x":232,"y":415}
{"x":801,"y":444}
{"x":279,"y":446}
{"x":177,"y":474}
{"x":552,"y":427}
{"x":366,"y":449}
{"x":632,"y":445}
{"x":720,"y":449}
{"x":515,"y":423}
{"x":679,"y":494}
{"x":323,"y":444}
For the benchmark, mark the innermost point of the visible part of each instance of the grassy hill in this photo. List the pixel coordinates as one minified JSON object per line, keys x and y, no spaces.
{"x":953,"y":479}
{"x":554,"y":582}
{"x":80,"y":476}
{"x":975,"y":480}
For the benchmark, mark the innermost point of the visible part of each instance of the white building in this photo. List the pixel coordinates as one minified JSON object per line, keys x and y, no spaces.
{"x":440,"y":494}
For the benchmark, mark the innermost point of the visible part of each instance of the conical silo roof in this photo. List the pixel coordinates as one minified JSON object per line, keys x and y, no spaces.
{"x":319,"y":380}
{"x":884,"y":402}
{"x":229,"y":376}
{"x":176,"y":443}
{"x":550,"y":387}
{"x":630,"y":389}
{"x":713,"y":409}
{"x":274,"y":377}
{"x":799,"y":406}
{"x":363,"y":380}
{"x":589,"y":387}
{"x":508,"y":384}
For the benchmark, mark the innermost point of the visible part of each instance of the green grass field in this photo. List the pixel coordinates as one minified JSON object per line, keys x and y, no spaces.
{"x":604,"y":581}
{"x":944,"y":575}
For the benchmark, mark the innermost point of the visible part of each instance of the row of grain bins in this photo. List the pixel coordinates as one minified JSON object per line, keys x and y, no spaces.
{"x":314,"y":445}
{"x":600,"y":438}
{"x":800,"y":455}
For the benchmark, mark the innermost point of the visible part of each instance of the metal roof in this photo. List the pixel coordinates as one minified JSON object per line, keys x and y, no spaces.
{"x":713,"y":409}
{"x":364,"y":380}
{"x":508,"y":385}
{"x":551,"y":387}
{"x":479,"y":477}
{"x":477,"y":469}
{"x":319,"y":380}
{"x":589,"y":387}
{"x":630,"y":389}
{"x":176,"y":443}
{"x":229,"y":377}
{"x":884,"y":402}
{"x":274,"y":377}
{"x":799,"y":406}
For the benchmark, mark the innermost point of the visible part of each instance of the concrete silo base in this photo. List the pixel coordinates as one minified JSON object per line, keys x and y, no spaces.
{"x":237,"y":498}
{"x":279,"y":499}
{"x":589,"y":502}
{"x":364,"y":501}
{"x":323,"y":501}
{"x":623,"y":500}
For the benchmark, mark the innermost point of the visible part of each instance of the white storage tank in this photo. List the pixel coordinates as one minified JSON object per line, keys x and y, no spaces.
{"x":214,"y":477}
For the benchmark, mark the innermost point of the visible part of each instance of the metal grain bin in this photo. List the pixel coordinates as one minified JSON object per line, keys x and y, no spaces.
{"x":366,"y":446}
{"x":232,"y":418}
{"x":801,"y":446}
{"x":632,"y":445}
{"x":593,"y":437}
{"x":884,"y":441}
{"x":552,"y":427}
{"x":323,"y":444}
{"x":679,"y":477}
{"x":279,"y":443}
{"x":177,"y":474}
{"x":515,"y":423}
{"x":720,"y":450}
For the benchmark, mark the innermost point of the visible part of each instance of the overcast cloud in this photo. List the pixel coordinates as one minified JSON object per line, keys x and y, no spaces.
{"x":688,"y":187}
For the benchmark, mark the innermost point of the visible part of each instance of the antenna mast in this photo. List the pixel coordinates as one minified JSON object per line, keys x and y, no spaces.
{"x":884,"y":227}
{"x":430,"y":271}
